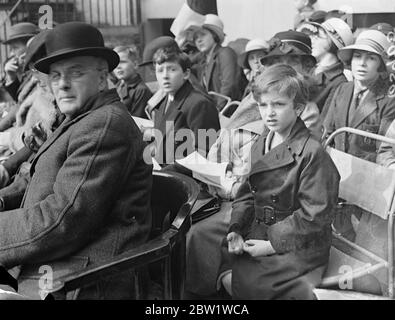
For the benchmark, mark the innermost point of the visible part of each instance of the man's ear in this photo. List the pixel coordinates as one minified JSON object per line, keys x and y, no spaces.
{"x":103,"y":84}
{"x":187,"y":74}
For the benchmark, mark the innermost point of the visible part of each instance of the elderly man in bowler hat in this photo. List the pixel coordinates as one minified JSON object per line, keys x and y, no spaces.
{"x":89,"y":195}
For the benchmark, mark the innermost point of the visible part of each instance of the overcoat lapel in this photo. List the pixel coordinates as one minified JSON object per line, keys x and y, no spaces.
{"x":367,"y":107}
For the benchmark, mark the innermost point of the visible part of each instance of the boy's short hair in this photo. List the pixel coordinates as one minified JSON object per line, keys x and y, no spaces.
{"x":169,"y":54}
{"x":132,"y":52}
{"x":283,"y":79}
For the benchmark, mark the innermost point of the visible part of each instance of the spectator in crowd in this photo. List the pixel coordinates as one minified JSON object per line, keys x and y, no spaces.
{"x":305,"y":9}
{"x":294,"y":48}
{"x":219,"y":72}
{"x":233,"y":146}
{"x":385,"y":28}
{"x":17,"y":81}
{"x":183,"y":107}
{"x":326,"y":39}
{"x":363,"y":103}
{"x":250,"y":60}
{"x":133,"y":92}
{"x":280,"y":229}
{"x":61,"y":204}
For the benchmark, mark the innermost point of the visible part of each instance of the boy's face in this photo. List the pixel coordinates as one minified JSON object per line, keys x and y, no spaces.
{"x":365,"y":65}
{"x":170,"y":76}
{"x":277,"y":111}
{"x":126,"y":68}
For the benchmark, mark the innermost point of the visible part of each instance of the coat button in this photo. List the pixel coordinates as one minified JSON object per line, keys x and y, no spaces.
{"x":274,"y":198}
{"x":254,"y":189}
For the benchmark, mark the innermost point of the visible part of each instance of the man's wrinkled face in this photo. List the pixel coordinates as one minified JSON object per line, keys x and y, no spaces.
{"x":73,"y":81}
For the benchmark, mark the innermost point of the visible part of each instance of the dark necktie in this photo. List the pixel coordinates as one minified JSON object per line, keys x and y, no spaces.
{"x":355,"y":103}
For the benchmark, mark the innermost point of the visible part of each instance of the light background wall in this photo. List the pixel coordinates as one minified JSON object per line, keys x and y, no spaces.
{"x":261,"y":18}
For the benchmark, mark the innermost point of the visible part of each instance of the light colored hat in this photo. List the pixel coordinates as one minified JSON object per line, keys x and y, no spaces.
{"x":370,"y":40}
{"x":337,"y":30}
{"x":213,"y":23}
{"x":253,"y":45}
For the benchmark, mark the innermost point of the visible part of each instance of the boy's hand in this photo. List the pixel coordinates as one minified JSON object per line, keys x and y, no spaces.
{"x":258,"y":248}
{"x":235,"y":243}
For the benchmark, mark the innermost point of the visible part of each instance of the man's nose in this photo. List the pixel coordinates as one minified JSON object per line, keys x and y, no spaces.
{"x":64,"y":82}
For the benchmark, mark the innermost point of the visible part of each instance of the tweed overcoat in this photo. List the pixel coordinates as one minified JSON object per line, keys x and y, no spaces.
{"x":88,"y":200}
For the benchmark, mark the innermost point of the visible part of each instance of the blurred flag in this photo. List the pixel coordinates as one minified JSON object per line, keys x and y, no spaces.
{"x":192,"y":13}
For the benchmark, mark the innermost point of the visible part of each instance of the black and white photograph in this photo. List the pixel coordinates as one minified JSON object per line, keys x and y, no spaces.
{"x":194,"y":156}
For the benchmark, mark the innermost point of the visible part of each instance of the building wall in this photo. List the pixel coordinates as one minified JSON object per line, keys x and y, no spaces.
{"x":260,"y":18}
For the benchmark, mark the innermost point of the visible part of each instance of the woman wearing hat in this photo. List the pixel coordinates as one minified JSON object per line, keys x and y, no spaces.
{"x":220,"y":72}
{"x":363,"y":103}
{"x":326,"y":39}
{"x":250,"y":60}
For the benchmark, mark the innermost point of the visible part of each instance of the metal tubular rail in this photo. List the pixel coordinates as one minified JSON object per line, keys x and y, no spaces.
{"x":390,"y":229}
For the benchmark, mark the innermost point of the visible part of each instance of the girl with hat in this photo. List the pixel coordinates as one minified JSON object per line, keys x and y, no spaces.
{"x":326,"y":39}
{"x":250,"y":60}
{"x":363,"y":103}
{"x":219,"y":70}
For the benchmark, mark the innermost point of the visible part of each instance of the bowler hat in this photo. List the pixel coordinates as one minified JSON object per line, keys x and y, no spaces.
{"x":19,"y":31}
{"x":369,"y":40}
{"x":155,"y":45}
{"x":72,"y":39}
{"x":290,"y":43}
{"x":253,"y":45}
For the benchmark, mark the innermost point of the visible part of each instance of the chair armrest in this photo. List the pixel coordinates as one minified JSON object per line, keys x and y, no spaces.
{"x":151,"y":251}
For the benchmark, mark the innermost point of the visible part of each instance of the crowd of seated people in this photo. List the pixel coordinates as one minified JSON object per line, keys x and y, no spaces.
{"x":77,"y":169}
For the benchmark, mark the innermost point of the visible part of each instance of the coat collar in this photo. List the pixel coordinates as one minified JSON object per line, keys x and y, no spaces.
{"x":173,"y":111}
{"x":97,"y":101}
{"x":124,"y":86}
{"x":369,"y":105}
{"x":331,"y":73}
{"x":211,"y":63}
{"x":282,"y":155}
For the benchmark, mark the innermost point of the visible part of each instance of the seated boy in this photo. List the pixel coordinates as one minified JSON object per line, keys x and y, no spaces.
{"x":133,"y":92}
{"x":183,"y":112}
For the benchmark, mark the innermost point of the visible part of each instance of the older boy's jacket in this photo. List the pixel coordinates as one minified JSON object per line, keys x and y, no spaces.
{"x":374,"y":114}
{"x":288,"y":199}
{"x":135,"y":95}
{"x":88,"y":200}
{"x":191,"y":110}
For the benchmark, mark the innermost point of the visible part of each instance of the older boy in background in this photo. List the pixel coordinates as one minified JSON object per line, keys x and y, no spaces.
{"x":133,"y":92}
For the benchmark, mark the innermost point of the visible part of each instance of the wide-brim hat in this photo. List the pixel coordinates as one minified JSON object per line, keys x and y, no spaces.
{"x":154,"y":45}
{"x":253,"y":45}
{"x":73,"y":39}
{"x":370,"y":40}
{"x":290,"y":43}
{"x":19,"y":31}
{"x":35,"y":48}
{"x":215,"y":25}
